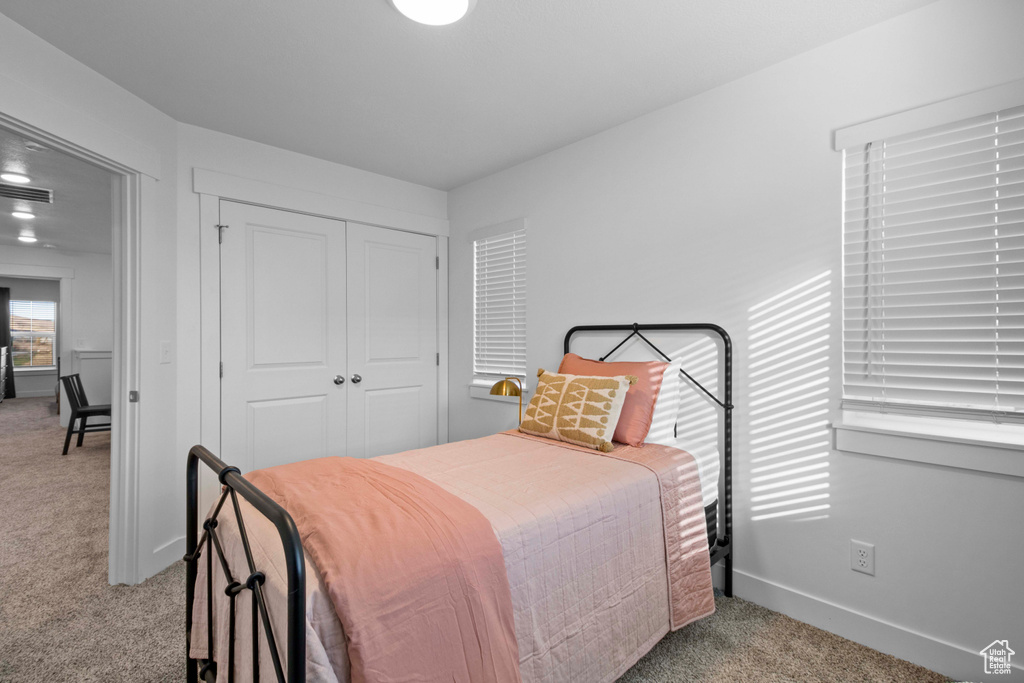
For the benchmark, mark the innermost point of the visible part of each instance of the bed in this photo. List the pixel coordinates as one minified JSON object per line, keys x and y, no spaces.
{"x":583,"y":538}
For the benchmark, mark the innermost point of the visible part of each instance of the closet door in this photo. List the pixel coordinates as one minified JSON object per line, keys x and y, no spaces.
{"x":392,"y":341}
{"x":283,"y":336}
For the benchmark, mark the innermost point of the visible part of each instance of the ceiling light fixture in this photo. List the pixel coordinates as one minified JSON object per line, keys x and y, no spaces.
{"x":15,"y":178}
{"x":27,"y":238}
{"x":434,"y":12}
{"x":23,"y":214}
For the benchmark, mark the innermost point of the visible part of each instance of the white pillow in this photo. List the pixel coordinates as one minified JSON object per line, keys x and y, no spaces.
{"x":666,"y":408}
{"x":663,"y":431}
{"x":709,"y":465}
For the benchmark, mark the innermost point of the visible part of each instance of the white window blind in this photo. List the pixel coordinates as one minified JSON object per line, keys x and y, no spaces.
{"x":933,"y":286}
{"x":499,"y":297}
{"x":33,"y":332}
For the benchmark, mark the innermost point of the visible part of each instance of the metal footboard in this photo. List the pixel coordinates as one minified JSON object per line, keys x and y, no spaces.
{"x":293,"y":669}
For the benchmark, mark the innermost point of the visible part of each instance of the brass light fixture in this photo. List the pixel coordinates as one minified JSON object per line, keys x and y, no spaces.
{"x":510,"y":386}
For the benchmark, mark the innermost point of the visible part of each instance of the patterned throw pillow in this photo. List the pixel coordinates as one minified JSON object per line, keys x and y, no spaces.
{"x":577,"y":409}
{"x":638,"y":410}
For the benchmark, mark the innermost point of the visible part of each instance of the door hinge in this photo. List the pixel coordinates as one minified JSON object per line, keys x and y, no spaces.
{"x":222,"y":369}
{"x":133,"y":397}
{"x":220,"y":232}
{"x":438,"y":358}
{"x":437,"y":263}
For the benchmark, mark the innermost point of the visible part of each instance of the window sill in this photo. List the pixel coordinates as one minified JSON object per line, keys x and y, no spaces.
{"x":41,"y":370}
{"x":480,"y":387}
{"x":982,"y":447}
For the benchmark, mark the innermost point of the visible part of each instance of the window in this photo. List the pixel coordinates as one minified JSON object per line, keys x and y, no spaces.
{"x":499,"y":299}
{"x":33,"y":333}
{"x":933,"y":281}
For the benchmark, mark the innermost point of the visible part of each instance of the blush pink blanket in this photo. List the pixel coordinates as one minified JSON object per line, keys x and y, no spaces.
{"x":415,"y":573}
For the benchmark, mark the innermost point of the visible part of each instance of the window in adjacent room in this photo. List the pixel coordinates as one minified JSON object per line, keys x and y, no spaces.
{"x":499,"y":300}
{"x":33,"y":333}
{"x":933,"y":282}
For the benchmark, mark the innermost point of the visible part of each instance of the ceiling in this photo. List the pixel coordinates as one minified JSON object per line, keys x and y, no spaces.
{"x":80,"y":217}
{"x":354,"y":82}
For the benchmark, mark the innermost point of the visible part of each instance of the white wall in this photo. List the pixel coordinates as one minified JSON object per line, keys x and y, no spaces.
{"x":210,"y":150}
{"x":35,"y":383}
{"x":701,"y":211}
{"x":32,"y":289}
{"x":92,"y":308}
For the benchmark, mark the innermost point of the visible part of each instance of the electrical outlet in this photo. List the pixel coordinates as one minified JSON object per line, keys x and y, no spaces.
{"x":862,"y":557}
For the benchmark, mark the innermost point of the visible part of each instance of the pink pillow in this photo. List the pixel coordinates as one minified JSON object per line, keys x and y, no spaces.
{"x":638,"y":410}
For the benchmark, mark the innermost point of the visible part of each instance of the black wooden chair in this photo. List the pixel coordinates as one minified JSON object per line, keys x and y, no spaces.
{"x":81,"y":410}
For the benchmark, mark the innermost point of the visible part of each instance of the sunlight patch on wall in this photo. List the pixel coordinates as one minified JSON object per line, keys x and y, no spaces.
{"x":789,"y":394}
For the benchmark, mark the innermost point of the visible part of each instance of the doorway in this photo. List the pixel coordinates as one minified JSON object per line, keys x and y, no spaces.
{"x":71,"y":216}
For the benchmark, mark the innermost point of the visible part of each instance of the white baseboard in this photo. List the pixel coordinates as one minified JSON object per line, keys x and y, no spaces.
{"x":956,"y":661}
{"x":36,"y":394}
{"x":166,"y":555}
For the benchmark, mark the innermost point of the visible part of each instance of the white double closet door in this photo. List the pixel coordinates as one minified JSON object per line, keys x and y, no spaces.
{"x":328,"y":338}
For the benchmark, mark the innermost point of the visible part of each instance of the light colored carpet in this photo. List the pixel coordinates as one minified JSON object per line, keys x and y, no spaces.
{"x":59,"y":619}
{"x":61,"y":622}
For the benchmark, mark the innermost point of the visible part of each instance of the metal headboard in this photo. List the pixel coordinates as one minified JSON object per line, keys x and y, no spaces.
{"x":723,"y":547}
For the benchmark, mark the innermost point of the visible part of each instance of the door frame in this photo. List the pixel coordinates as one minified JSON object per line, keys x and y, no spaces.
{"x":213,"y":188}
{"x":126,"y":195}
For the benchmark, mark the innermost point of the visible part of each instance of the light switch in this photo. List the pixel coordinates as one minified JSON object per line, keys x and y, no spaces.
{"x":165,"y":352}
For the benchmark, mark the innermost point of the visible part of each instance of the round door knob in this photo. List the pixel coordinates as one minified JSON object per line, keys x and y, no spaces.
{"x":338,"y":379}
{"x":356,"y":379}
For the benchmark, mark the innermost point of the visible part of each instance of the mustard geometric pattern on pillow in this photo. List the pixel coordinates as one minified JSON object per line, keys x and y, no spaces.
{"x":577,"y":409}
{"x":543,"y":407}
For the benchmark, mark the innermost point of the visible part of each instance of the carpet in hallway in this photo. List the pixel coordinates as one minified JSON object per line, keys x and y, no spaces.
{"x":61,"y":620}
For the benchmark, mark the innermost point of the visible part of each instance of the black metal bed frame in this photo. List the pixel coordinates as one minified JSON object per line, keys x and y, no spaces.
{"x":722,"y":549}
{"x":233,"y":485}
